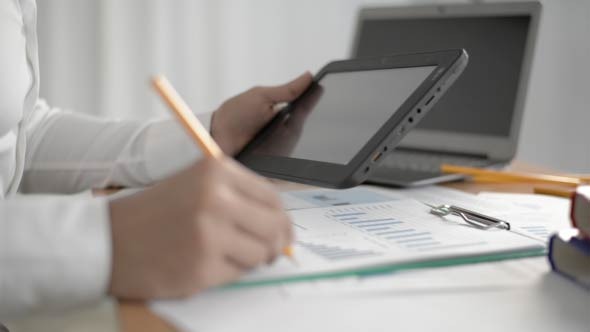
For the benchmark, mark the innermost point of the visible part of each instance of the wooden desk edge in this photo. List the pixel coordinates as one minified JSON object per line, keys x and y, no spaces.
{"x":137,"y":316}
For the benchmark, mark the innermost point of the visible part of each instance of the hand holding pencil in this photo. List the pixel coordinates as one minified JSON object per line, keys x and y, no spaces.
{"x":193,"y":127}
{"x":201,"y":227}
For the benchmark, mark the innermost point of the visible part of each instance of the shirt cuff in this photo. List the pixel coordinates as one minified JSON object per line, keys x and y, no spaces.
{"x":55,"y":253}
{"x":168,"y":147}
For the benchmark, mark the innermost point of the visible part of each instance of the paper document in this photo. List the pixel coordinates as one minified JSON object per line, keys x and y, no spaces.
{"x":536,"y":216}
{"x":336,"y":236}
{"x":340,"y":229}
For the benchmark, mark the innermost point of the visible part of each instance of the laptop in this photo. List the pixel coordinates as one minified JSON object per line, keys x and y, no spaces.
{"x":477,"y":122}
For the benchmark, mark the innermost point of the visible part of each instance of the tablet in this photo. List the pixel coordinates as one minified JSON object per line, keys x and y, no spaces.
{"x":354,"y":113}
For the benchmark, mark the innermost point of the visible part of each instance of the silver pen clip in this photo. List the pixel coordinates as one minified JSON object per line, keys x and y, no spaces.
{"x":475,"y":219}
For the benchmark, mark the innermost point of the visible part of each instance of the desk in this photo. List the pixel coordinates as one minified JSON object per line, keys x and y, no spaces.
{"x":137,"y":317}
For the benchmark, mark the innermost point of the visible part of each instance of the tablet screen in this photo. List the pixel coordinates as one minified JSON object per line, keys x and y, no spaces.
{"x":339,"y":114}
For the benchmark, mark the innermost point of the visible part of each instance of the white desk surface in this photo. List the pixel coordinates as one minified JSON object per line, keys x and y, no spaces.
{"x":517,"y":295}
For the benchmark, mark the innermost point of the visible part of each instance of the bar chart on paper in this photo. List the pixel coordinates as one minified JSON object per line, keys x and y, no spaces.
{"x":390,"y":229}
{"x":394,"y":221}
{"x":335,"y":238}
{"x":306,"y":199}
{"x":539,"y":231}
{"x":402,"y":231}
{"x":334,"y":253}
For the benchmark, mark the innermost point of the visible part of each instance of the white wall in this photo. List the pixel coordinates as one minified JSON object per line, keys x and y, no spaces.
{"x":97,"y":55}
{"x":556,"y":124}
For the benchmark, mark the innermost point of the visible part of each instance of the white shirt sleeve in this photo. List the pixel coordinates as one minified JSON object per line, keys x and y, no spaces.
{"x":69,"y":152}
{"x":55,"y":251}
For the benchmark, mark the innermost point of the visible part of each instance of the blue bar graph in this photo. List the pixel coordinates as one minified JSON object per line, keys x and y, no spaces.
{"x":334,"y":253}
{"x":401,"y":236}
{"x":418,"y":239}
{"x":348,"y":214}
{"x":396,"y":231}
{"x":325,"y":198}
{"x":349,"y":218}
{"x":423,"y":244}
{"x":389,"y":229}
{"x":374,"y":220}
{"x":376,"y":229}
{"x":540,"y":231}
{"x":377,"y":222}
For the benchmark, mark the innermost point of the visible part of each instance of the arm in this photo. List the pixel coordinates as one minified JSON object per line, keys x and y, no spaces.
{"x":217,"y":218}
{"x":173,"y":239}
{"x":55,"y":252}
{"x":69,"y":152}
{"x":135,"y":153}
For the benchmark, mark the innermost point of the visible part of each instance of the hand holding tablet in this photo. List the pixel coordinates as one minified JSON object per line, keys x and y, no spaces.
{"x":355,"y":112}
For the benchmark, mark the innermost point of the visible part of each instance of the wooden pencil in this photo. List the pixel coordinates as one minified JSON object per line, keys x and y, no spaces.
{"x":567,"y":193}
{"x":507,"y":177}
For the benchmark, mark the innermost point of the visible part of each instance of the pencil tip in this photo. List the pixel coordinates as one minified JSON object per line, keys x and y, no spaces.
{"x":288,"y":251}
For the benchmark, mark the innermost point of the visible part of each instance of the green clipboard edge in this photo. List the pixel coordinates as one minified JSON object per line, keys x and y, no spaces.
{"x":370,"y":271}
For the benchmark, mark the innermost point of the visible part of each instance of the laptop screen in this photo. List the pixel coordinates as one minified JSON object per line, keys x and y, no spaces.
{"x":482,"y":101}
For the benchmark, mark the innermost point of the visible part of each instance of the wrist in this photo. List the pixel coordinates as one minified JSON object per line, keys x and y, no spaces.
{"x":122,"y":219}
{"x":222,"y":139}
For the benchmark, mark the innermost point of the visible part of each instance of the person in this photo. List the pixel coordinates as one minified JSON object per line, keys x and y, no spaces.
{"x":200,"y":223}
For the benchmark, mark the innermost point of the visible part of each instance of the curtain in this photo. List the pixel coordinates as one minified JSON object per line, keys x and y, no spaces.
{"x":97,"y":55}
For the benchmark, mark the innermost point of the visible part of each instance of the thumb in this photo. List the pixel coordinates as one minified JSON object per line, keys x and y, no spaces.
{"x":289,"y":91}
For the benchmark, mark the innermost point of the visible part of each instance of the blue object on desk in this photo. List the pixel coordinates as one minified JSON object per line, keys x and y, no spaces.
{"x":569,"y":255}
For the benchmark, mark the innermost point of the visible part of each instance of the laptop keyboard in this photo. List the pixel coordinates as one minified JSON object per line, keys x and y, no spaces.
{"x":428,"y":162}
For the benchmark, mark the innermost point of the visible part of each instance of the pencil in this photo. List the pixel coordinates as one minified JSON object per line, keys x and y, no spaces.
{"x":186,"y":118}
{"x":192,"y":125}
{"x":567,"y":193}
{"x":507,"y":177}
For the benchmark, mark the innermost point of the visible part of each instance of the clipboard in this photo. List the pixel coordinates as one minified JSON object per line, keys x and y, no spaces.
{"x":360,"y":232}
